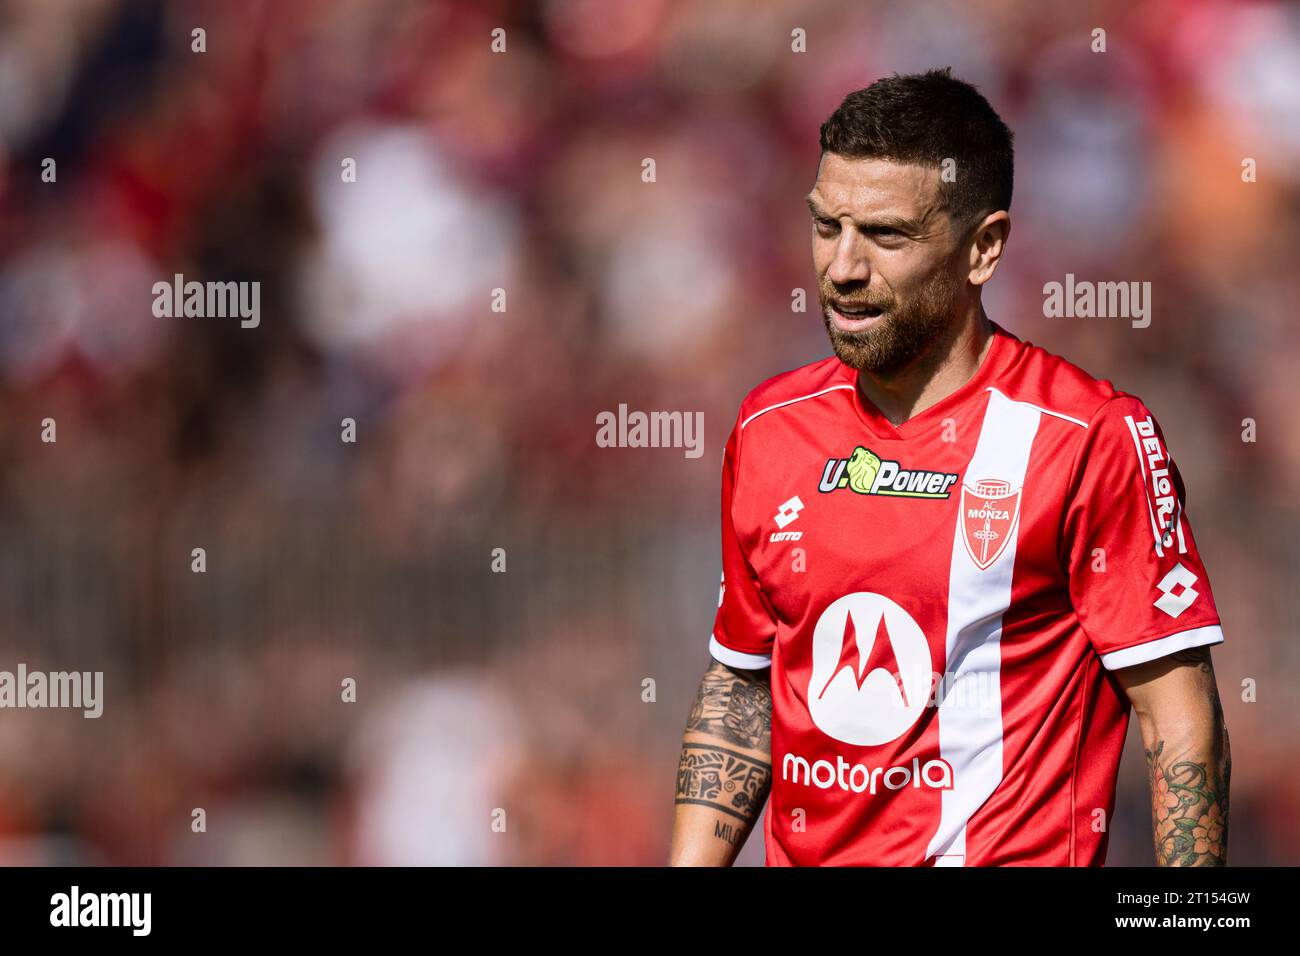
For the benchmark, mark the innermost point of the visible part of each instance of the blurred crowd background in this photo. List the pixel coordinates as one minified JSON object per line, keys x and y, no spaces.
{"x":521,"y":697}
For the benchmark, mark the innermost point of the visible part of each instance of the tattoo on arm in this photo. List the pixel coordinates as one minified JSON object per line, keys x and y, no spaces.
{"x":729,"y":833}
{"x":733,"y":707}
{"x":723,"y":779}
{"x":1189,"y":792}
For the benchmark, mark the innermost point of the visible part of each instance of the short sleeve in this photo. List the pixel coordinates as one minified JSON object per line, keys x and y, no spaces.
{"x":744,"y":627}
{"x":1136,"y":579}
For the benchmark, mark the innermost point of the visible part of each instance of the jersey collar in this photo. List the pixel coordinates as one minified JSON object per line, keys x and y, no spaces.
{"x":1000,"y":351}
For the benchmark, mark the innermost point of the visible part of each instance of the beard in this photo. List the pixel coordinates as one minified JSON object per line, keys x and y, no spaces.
{"x":903,"y":332}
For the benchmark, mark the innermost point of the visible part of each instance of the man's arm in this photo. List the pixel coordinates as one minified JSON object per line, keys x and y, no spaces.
{"x":1188,"y":758}
{"x":726,"y":766}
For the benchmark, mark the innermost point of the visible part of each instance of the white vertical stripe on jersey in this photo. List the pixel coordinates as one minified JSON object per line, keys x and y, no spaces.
{"x":970,"y":733}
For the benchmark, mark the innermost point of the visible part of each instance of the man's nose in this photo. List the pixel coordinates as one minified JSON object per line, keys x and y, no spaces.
{"x":850,"y":265}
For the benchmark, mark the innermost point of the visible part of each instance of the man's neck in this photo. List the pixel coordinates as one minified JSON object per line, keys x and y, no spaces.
{"x":946,"y":366}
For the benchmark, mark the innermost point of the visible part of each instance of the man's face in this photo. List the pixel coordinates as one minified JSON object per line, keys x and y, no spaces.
{"x":891,"y":274}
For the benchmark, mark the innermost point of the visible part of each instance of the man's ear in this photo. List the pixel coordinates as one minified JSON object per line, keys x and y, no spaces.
{"x":988,"y":241}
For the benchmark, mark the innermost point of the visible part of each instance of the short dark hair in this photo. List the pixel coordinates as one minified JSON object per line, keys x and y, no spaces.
{"x":925,"y":118}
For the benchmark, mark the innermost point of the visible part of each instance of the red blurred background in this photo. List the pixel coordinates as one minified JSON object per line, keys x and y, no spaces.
{"x":519,"y":696}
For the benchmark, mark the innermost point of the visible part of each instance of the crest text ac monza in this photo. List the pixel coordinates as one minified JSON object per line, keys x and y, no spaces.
{"x":988,"y":519}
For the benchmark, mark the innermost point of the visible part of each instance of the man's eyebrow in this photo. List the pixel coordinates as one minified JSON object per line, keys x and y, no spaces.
{"x":814,"y":208}
{"x":884,"y":221}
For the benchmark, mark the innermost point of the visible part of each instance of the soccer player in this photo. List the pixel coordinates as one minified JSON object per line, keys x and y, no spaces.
{"x":952,"y":561}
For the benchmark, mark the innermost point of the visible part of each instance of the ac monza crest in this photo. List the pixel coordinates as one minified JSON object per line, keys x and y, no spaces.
{"x":988,"y":519}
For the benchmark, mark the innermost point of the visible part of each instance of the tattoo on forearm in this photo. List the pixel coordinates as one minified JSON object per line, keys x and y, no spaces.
{"x":728,"y":833}
{"x":723,"y":779}
{"x":733,"y":708}
{"x":1189,"y":807}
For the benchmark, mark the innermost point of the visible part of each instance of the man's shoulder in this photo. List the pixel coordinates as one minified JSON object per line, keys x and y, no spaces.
{"x":796,"y":385}
{"x":1059,"y":386}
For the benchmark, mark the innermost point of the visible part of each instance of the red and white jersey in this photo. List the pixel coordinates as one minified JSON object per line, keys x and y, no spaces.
{"x":943,"y":602}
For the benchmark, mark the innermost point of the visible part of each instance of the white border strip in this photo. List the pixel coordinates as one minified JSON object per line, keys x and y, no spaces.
{"x":1141,"y":653}
{"x":1046,"y":411}
{"x":792,"y":401}
{"x":746,"y":662}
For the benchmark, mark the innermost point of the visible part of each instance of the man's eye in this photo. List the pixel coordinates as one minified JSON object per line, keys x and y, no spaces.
{"x":827,"y":225}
